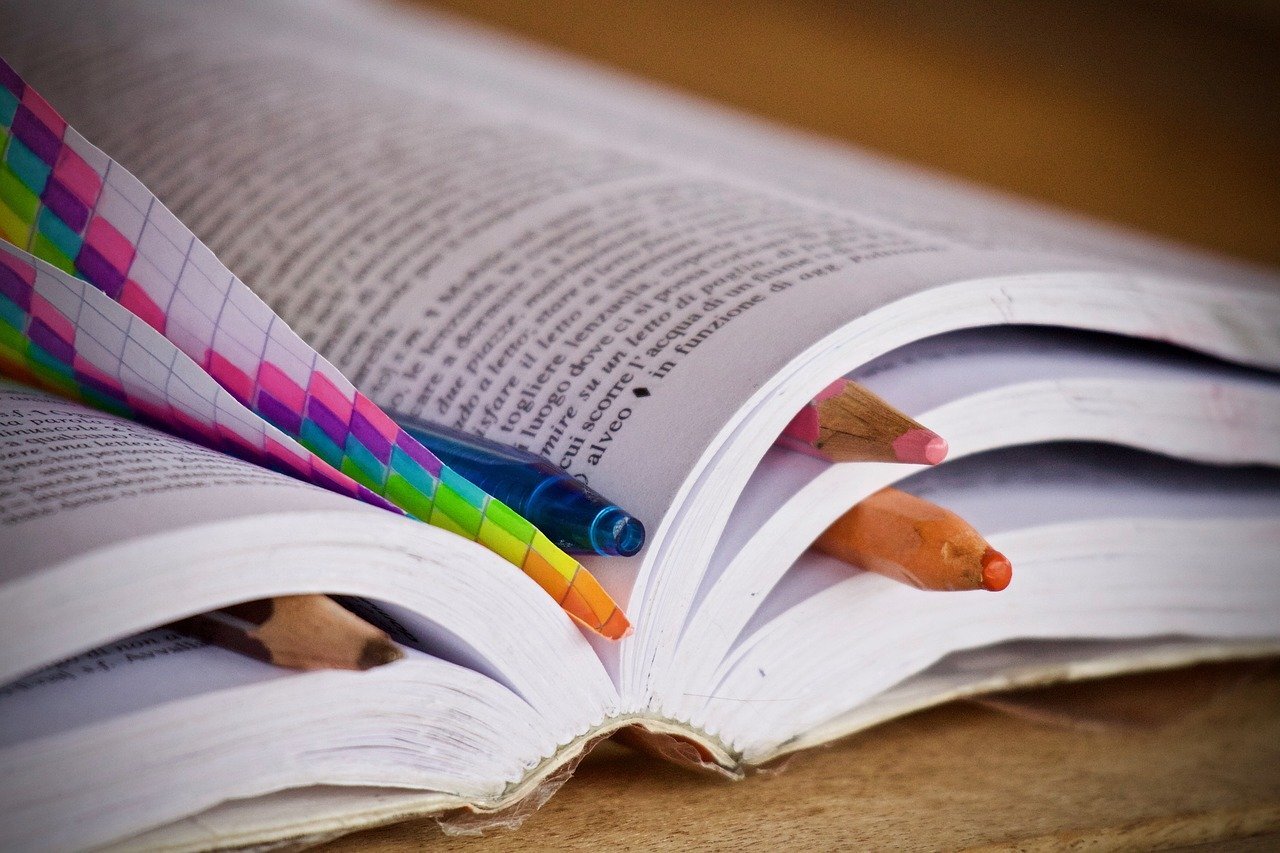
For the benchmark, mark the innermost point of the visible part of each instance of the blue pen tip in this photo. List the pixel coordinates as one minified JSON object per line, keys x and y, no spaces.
{"x":615,"y":533}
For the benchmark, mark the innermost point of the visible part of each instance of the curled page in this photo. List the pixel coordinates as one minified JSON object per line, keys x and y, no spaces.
{"x":61,"y":334}
{"x":70,"y":205}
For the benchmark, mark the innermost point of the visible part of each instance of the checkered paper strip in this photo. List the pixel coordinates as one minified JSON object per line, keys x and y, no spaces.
{"x":65,"y":202}
{"x":60,"y":334}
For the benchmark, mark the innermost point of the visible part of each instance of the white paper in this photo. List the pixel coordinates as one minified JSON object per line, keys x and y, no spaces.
{"x":76,"y":480}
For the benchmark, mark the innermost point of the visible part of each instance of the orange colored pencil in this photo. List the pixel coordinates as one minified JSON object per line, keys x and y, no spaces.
{"x":916,"y":542}
{"x":848,"y":423}
{"x":295,"y":631}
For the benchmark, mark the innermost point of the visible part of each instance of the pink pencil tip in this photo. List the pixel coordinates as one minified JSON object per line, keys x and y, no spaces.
{"x":804,"y":426}
{"x":935,"y":450}
{"x":920,"y":446}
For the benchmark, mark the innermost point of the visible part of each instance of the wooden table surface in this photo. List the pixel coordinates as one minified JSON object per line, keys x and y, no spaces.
{"x":1161,"y":116}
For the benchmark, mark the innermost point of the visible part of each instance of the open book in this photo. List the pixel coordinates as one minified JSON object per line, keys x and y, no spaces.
{"x":641,"y":288}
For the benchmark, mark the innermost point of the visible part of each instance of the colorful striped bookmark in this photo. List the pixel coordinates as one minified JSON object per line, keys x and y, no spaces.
{"x":71,"y":206}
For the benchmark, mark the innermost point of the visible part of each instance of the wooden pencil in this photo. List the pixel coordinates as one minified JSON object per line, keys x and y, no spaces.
{"x":917,"y":542}
{"x":295,"y":631}
{"x":848,"y":423}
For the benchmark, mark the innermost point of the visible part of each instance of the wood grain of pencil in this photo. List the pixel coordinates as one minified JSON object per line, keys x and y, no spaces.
{"x":848,"y":423}
{"x":917,"y":542}
{"x":296,"y":631}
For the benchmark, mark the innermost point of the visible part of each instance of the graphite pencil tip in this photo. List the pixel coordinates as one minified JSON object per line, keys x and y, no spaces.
{"x":997,"y":571}
{"x":377,"y":652}
{"x":920,"y":446}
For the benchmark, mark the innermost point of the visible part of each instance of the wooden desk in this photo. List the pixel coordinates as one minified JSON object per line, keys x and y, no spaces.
{"x":1161,"y":116}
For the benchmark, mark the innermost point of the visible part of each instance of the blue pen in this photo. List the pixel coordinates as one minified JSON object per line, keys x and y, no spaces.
{"x":578,"y":519}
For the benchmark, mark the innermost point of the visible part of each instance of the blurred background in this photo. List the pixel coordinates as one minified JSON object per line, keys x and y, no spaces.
{"x":1164,"y":116}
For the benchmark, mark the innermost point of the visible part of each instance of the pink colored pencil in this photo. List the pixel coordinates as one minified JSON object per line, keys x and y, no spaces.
{"x":847,"y":423}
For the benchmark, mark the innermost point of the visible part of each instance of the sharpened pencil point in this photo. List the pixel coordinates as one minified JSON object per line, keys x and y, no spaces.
{"x":916,"y":542}
{"x":997,"y":571}
{"x":379,"y":652}
{"x":920,"y":446}
{"x":849,"y":423}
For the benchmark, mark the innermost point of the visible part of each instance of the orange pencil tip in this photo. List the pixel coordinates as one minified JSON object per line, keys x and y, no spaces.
{"x":997,"y":571}
{"x":920,"y":446}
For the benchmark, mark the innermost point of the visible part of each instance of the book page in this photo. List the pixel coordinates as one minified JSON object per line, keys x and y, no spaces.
{"x":585,"y":95}
{"x":75,"y":480}
{"x":1022,"y":488}
{"x":463,"y":256}
{"x":95,"y":224}
{"x":156,"y":726}
{"x":1207,"y":410}
{"x":127,"y":675}
{"x":117,"y":527}
{"x":485,"y":249}
{"x":1140,"y":579}
{"x":453,"y":259}
{"x":1105,"y":579}
{"x":67,"y":335}
{"x":1019,"y":487}
{"x":931,"y":372}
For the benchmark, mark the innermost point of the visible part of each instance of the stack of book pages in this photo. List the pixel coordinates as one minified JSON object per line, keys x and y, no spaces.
{"x":641,"y":288}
